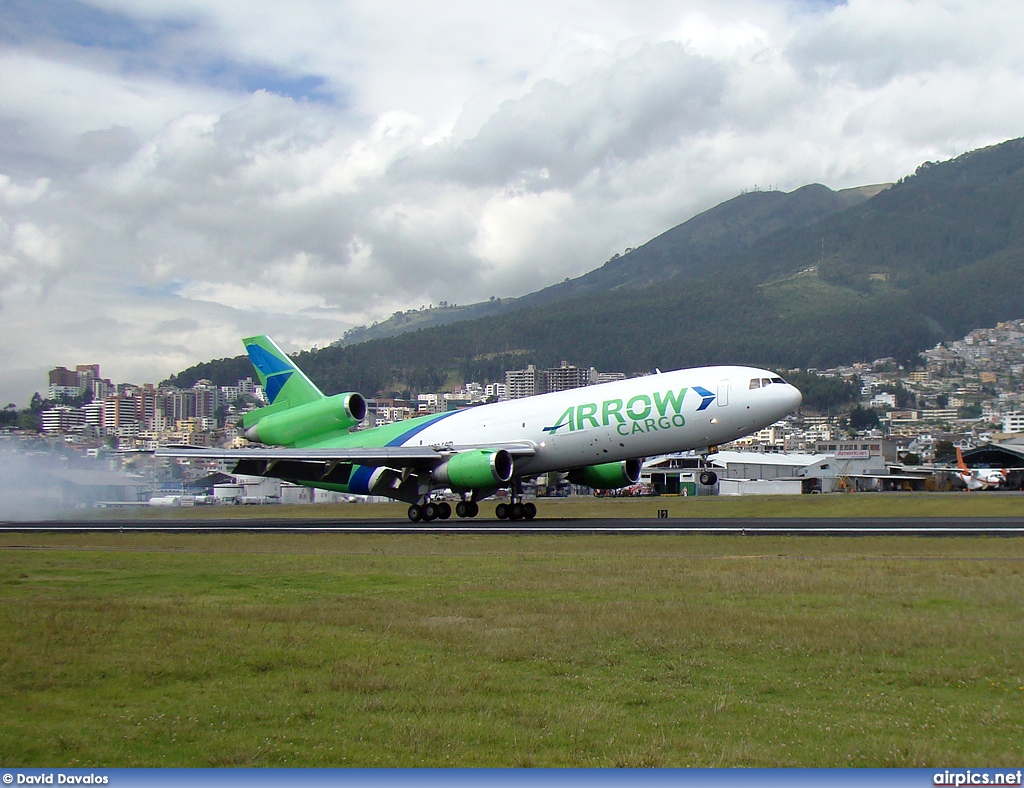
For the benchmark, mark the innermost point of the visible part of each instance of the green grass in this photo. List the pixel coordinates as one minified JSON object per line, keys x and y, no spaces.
{"x":838,"y":505}
{"x":340,"y":649}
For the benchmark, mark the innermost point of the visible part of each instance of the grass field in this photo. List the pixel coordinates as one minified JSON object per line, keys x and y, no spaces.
{"x":339,"y":649}
{"x":848,"y":505}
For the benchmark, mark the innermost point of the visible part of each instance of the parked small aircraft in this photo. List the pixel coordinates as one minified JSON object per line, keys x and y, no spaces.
{"x":980,"y":478}
{"x":598,"y":435}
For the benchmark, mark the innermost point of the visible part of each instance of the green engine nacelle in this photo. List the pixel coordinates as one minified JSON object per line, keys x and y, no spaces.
{"x":323,"y":416}
{"x":607,"y":476}
{"x":475,"y":470}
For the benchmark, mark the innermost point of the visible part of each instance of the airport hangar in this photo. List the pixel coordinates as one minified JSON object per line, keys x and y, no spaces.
{"x":864,"y":467}
{"x":1007,"y":454}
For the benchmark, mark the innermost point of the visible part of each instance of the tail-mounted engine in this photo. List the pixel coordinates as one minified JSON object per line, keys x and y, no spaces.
{"x":314,"y":419}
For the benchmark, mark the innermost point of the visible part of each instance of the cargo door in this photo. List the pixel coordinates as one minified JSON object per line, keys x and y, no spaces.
{"x":723,"y":393}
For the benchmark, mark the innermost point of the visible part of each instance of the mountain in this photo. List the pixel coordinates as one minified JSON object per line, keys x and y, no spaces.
{"x":710,"y":240}
{"x":699,"y":245}
{"x":937,"y":254}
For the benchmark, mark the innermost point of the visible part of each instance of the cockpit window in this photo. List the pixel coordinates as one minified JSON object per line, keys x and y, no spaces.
{"x":756,"y":383}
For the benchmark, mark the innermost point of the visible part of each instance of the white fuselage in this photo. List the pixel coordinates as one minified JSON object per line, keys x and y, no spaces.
{"x":980,"y":479}
{"x":626,"y":419}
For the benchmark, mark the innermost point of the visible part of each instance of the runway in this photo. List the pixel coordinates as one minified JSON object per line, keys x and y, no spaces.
{"x":923,"y":526}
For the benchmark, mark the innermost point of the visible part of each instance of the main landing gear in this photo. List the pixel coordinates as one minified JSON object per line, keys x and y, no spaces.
{"x":516,"y":509}
{"x":430,"y":511}
{"x":442,"y":510}
{"x":467,"y":508}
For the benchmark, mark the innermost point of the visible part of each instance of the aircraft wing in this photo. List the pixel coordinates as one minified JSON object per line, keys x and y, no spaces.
{"x":335,"y":465}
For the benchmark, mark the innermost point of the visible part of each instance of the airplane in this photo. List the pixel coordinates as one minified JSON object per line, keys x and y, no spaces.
{"x":598,"y":435}
{"x":979,"y":478}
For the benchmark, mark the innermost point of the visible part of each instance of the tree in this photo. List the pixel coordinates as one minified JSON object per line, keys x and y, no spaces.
{"x":972,"y":411}
{"x":904,"y":398}
{"x":823,"y":395}
{"x":29,"y":420}
{"x":863,"y":418}
{"x":943,"y":449}
{"x":910,"y":458}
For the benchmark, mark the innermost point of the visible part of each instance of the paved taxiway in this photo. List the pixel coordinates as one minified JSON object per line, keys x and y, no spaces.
{"x":923,"y":526}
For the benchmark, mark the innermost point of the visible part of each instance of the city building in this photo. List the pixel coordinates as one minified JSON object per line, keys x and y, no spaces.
{"x":521,"y":383}
{"x":64,"y":384}
{"x":530,"y":381}
{"x":567,"y":376}
{"x":63,"y":419}
{"x":1013,"y":422}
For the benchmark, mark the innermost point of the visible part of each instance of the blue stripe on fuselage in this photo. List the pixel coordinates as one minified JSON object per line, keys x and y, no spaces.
{"x":401,"y":439}
{"x":359,"y":481}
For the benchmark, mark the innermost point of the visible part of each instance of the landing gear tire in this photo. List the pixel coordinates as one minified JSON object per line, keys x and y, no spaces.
{"x":708,"y":478}
{"x":501,"y":511}
{"x":516,"y":512}
{"x":430,"y":512}
{"x":444,"y":510}
{"x":415,"y":513}
{"x":529,"y":510}
{"x":467,"y":509}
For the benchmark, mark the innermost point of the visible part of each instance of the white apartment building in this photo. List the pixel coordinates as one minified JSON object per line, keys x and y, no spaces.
{"x":883,"y":399}
{"x":63,"y":419}
{"x":1013,"y":422}
{"x":523,"y":382}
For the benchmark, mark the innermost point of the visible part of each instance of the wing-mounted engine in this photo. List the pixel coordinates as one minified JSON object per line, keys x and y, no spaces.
{"x":475,"y":469}
{"x":608,"y":475}
{"x":318,"y":419}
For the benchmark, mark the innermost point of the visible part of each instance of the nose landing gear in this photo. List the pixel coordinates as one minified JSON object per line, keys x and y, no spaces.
{"x":707,"y":477}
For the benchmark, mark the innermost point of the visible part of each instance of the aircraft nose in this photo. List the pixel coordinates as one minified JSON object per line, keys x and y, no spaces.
{"x":793,"y":398}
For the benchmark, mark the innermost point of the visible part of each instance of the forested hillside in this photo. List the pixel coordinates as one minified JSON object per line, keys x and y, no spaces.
{"x":700,"y":245}
{"x":936,"y":255}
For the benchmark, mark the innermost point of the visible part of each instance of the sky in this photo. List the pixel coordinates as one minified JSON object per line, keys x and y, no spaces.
{"x":175,"y":175}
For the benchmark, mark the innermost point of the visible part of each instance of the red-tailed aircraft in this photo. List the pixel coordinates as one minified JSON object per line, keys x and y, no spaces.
{"x":980,"y":478}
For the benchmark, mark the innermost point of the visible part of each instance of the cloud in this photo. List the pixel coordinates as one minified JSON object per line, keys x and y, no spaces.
{"x":175,"y":174}
{"x":15,"y":195}
{"x":625,"y":112}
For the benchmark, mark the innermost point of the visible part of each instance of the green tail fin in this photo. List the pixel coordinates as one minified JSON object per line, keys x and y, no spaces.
{"x":285,"y":384}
